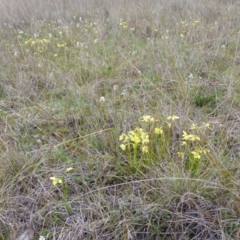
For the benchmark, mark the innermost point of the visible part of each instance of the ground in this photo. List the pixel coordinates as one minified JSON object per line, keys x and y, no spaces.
{"x":119,"y":119}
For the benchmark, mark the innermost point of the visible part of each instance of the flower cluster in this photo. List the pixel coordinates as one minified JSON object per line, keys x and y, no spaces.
{"x":64,"y":187}
{"x":123,"y":24}
{"x":142,"y":143}
{"x":189,"y":138}
{"x":196,"y":22}
{"x":40,"y":44}
{"x":147,"y":118}
{"x":193,"y":148}
{"x":59,"y":180}
{"x":158,"y":131}
{"x":37,"y":41}
{"x":187,"y":26}
{"x":43,"y":45}
{"x":91,"y":27}
{"x":156,"y":140}
{"x":196,"y":153}
{"x":137,"y":137}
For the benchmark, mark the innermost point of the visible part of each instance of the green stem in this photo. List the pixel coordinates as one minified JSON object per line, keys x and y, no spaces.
{"x":135,"y":155}
{"x":65,"y":196}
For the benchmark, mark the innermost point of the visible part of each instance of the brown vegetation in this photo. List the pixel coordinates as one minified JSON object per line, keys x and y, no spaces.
{"x":75,"y":75}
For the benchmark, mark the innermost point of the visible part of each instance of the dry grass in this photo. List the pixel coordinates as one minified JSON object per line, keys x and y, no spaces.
{"x":75,"y":76}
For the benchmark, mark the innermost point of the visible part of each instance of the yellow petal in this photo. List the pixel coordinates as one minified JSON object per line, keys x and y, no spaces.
{"x":123,"y":147}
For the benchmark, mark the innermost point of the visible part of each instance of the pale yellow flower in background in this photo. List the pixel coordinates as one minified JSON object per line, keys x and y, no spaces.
{"x":55,"y":180}
{"x":123,"y":147}
{"x":147,"y":118}
{"x":61,"y":45}
{"x":44,"y":41}
{"x":69,"y":169}
{"x":145,"y":139}
{"x":158,"y":131}
{"x":196,"y":22}
{"x":145,"y":149}
{"x":205,"y":151}
{"x":194,"y":126}
{"x":180,"y":154}
{"x":196,"y":154}
{"x":190,"y":137}
{"x":123,"y":25}
{"x":173,"y":117}
{"x":207,"y":125}
{"x":123,"y":138}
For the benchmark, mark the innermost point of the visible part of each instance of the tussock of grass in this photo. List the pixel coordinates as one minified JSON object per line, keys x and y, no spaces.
{"x":119,"y":120}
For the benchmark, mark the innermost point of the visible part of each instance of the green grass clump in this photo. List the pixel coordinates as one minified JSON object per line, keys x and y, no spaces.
{"x":119,"y":119}
{"x":201,"y":100}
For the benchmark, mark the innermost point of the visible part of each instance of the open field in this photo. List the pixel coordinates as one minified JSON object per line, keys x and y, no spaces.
{"x":120,"y":119}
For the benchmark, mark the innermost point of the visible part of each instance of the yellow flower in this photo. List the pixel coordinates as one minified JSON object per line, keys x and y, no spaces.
{"x":123,"y":138}
{"x":190,"y":137}
{"x":205,"y":151}
{"x":145,"y":140}
{"x":123,"y":25}
{"x":207,"y":125}
{"x":134,"y":137}
{"x":180,"y":154}
{"x":33,"y":42}
{"x":196,"y":154}
{"x":123,"y":147}
{"x":194,"y":126}
{"x":145,"y":149}
{"x":146,"y":118}
{"x":60,"y":45}
{"x":173,"y":117}
{"x":144,"y":137}
{"x":69,"y":169}
{"x":44,"y":41}
{"x":158,"y":131}
{"x":196,"y":22}
{"x":56,"y":180}
{"x":28,"y":41}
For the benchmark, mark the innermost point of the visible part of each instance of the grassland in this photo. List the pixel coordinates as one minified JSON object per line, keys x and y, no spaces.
{"x":120,"y":119}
